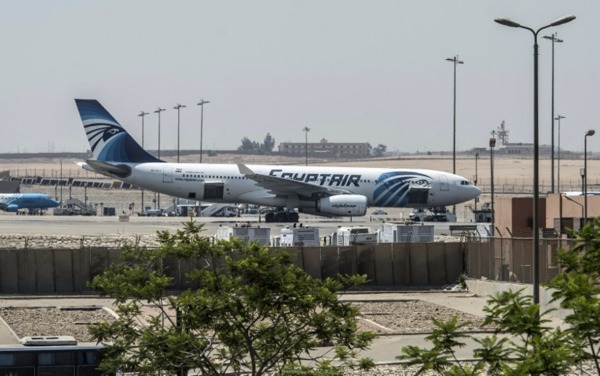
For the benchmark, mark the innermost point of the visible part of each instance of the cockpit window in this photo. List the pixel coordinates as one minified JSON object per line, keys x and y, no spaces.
{"x":464,"y":182}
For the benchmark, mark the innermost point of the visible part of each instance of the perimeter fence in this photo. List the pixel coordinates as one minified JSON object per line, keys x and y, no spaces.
{"x":511,"y":259}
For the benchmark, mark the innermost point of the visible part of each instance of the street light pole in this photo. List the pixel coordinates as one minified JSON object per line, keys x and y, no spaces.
{"x":557,"y":118}
{"x":536,"y":147}
{"x":178,"y":107}
{"x":455,"y":61}
{"x":306,"y":130}
{"x":158,"y":111}
{"x":492,"y":146}
{"x":557,"y":40}
{"x":142,"y":114}
{"x":201,"y":104}
{"x":475,"y":177}
{"x":589,"y":133}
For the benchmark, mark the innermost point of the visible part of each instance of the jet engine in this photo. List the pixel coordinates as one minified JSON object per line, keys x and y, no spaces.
{"x":342,"y":205}
{"x":12,"y":208}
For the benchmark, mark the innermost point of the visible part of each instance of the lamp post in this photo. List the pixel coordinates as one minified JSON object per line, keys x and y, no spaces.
{"x":158,"y":111}
{"x":455,"y":61}
{"x":557,"y":40}
{"x":536,"y":147}
{"x":178,"y":107}
{"x":585,"y":174}
{"x":475,"y":177}
{"x":492,"y":146}
{"x":306,"y":130}
{"x":142,"y":114}
{"x":201,"y":104}
{"x":557,"y":118}
{"x":582,"y":174}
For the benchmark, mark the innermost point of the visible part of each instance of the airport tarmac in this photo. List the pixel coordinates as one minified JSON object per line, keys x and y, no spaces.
{"x":48,"y":224}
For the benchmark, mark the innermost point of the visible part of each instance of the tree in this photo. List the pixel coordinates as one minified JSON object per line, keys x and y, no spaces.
{"x":251,"y":309}
{"x":268,"y":144}
{"x":247,"y":145}
{"x":577,"y":290}
{"x":532,"y":347}
{"x":254,"y":147}
{"x":379,"y":150}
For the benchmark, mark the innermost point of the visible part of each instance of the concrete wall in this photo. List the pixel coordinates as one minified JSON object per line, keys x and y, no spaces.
{"x":63,"y":271}
{"x":511,"y":259}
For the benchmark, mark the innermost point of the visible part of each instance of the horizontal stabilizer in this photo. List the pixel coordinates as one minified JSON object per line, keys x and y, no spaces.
{"x":104,"y":168}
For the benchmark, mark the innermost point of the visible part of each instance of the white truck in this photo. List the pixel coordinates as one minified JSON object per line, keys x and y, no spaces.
{"x":432,"y":215}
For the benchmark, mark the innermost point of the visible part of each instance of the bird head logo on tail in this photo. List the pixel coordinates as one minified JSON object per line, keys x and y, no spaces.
{"x":108,"y":140}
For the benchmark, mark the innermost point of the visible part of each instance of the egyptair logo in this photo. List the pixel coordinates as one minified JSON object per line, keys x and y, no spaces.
{"x":392,"y":187}
{"x":101,"y":132}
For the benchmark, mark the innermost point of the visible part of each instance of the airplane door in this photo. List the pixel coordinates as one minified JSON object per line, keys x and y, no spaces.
{"x":213,"y":191}
{"x":167,"y":174}
{"x":444,"y":186}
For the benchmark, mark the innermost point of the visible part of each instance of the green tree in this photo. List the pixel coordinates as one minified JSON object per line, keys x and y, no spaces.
{"x":379,"y":150}
{"x":251,"y":309}
{"x":577,"y":290}
{"x":254,"y":147}
{"x":247,"y":145}
{"x":268,"y":144}
{"x":523,"y":343}
{"x":529,"y":346}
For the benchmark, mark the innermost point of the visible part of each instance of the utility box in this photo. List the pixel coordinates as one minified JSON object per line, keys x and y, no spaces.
{"x":261,"y":235}
{"x":353,"y":235}
{"x":299,"y":237}
{"x":403,"y":233}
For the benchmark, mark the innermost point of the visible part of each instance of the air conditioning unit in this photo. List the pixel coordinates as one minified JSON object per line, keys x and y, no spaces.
{"x":48,"y":341}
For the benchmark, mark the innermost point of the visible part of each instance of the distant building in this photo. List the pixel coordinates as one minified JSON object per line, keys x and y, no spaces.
{"x":327,"y":149}
{"x":523,"y":149}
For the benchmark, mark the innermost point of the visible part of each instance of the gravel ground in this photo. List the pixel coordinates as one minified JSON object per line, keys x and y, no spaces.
{"x":408,"y":316}
{"x":411,"y":317}
{"x":19,"y":241}
{"x":398,"y":317}
{"x":53,"y":321}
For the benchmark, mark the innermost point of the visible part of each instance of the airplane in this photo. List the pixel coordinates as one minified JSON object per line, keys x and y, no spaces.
{"x":320,"y":190}
{"x":12,"y":202}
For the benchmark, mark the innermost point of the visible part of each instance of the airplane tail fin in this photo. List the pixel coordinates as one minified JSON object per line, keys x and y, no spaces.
{"x":108,"y":140}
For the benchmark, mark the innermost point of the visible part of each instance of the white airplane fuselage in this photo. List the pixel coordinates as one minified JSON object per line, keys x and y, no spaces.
{"x":190,"y":180}
{"x":323,"y":190}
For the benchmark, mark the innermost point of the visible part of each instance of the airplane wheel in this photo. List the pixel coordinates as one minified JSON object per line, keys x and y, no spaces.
{"x":280,"y":217}
{"x":270,"y":217}
{"x":293,"y":217}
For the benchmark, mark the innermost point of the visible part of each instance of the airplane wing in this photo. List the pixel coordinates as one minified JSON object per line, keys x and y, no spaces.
{"x":281,"y":186}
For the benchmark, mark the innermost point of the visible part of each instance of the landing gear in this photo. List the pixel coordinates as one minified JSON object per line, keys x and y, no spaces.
{"x":281,"y":216}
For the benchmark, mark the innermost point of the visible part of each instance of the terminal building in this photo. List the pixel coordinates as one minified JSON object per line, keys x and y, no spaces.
{"x":326,"y":149}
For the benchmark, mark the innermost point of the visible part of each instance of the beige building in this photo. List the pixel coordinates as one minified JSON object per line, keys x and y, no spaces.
{"x":325,"y":148}
{"x":514,"y":215}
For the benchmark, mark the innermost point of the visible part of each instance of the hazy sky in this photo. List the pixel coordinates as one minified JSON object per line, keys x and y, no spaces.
{"x":353,"y":71}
